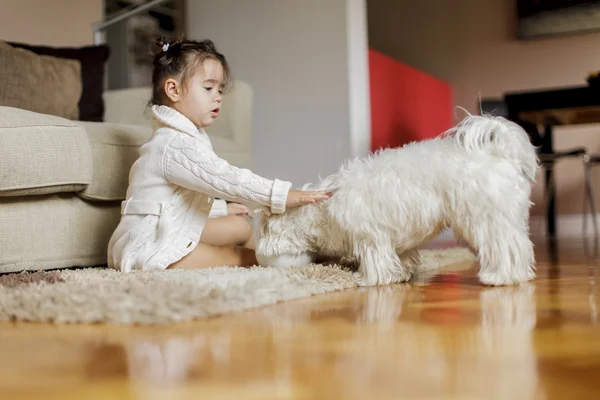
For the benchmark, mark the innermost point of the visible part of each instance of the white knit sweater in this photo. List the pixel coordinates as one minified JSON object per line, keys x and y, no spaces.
{"x":171,"y":193}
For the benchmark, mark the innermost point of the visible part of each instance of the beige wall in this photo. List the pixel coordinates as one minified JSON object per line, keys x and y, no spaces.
{"x":472,"y":45}
{"x":49,"y":22}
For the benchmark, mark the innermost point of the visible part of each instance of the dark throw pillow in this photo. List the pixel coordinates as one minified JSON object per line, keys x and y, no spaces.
{"x":93,"y":62}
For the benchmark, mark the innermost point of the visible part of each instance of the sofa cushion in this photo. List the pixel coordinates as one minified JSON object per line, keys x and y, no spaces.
{"x":43,"y":84}
{"x":115,"y":147}
{"x":93,"y":62}
{"x":41,"y":154}
{"x":54,"y":231}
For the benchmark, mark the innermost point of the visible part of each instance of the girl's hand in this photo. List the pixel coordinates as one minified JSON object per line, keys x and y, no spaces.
{"x":300,"y":197}
{"x":237,"y":209}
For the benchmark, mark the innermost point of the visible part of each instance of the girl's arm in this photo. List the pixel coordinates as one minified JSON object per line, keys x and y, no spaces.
{"x":199,"y":168}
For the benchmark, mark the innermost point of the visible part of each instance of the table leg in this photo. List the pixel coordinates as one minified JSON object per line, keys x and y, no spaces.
{"x":547,"y":148}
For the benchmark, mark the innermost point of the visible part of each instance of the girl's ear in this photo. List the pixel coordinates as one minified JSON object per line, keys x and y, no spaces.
{"x":172,"y":90}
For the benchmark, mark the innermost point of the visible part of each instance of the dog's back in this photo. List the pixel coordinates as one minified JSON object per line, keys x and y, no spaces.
{"x":498,"y":136}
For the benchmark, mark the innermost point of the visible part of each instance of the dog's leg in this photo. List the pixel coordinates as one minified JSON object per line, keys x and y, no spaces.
{"x":410,"y":259}
{"x":380,"y":266}
{"x":504,"y":250}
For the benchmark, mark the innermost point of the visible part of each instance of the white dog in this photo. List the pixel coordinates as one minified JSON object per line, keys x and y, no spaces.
{"x":475,"y":179}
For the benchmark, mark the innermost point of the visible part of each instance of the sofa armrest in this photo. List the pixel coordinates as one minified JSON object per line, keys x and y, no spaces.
{"x":128,"y":106}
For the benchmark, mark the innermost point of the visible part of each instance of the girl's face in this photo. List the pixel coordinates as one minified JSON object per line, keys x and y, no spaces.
{"x":201,"y":100}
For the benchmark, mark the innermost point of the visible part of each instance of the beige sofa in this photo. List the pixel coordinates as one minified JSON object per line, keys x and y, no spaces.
{"x":62,"y":181}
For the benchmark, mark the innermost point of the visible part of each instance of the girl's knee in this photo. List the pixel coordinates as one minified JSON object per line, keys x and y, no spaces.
{"x":238,"y":229}
{"x":243,"y":226}
{"x":228,"y":230}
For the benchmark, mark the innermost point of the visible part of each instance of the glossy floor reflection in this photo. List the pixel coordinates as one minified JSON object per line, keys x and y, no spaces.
{"x":445,"y":337}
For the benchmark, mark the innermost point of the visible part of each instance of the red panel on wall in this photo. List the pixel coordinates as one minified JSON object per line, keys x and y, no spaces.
{"x":406,"y":104}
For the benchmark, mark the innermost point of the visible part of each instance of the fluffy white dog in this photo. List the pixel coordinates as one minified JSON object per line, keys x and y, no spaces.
{"x":475,"y":179}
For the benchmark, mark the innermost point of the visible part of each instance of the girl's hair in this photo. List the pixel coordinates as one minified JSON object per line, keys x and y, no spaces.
{"x":181,"y":59}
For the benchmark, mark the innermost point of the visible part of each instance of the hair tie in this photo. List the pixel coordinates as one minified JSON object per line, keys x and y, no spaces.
{"x":165,"y":47}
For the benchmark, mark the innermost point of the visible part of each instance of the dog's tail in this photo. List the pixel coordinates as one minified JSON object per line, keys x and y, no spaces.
{"x":501,"y":137}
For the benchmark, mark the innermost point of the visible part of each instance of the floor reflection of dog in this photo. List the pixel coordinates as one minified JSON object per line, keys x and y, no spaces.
{"x":390,"y":340}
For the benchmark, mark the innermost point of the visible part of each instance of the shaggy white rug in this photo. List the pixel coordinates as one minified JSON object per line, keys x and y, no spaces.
{"x":99,"y":295}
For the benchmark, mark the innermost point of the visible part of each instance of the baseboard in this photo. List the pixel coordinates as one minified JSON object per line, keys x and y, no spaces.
{"x":567,"y":227}
{"x":446,"y":237}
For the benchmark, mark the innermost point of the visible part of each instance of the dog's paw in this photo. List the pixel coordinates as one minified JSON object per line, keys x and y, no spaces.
{"x":362,"y":280}
{"x":494,"y":279}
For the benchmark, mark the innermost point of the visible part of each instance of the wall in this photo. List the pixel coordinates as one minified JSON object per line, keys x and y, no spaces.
{"x":53,"y":23}
{"x":295,"y":55}
{"x":471,"y":44}
{"x":406,"y":103}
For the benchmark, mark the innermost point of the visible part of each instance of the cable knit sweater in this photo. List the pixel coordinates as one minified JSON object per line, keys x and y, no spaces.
{"x":171,"y":193}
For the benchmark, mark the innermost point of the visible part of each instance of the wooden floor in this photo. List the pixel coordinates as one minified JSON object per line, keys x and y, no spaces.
{"x":449,"y":338}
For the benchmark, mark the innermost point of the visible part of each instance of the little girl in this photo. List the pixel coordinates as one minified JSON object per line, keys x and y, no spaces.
{"x":165,"y":217}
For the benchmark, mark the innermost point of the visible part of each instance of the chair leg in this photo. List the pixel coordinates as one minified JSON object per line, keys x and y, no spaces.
{"x":589,"y":206}
{"x":549,"y":196}
{"x":551,"y":206}
{"x":547,"y":147}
